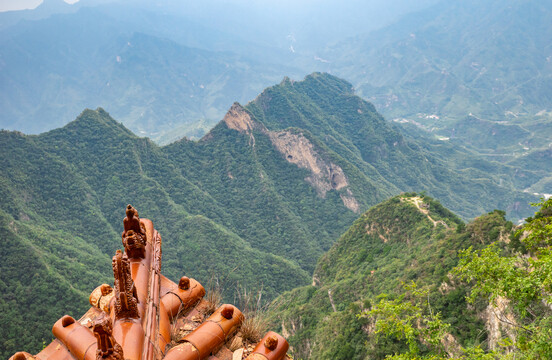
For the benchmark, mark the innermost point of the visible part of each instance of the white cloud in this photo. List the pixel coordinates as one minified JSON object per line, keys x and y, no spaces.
{"x":10,"y":5}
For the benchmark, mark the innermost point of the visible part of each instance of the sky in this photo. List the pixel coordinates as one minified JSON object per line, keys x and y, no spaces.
{"x":8,"y":5}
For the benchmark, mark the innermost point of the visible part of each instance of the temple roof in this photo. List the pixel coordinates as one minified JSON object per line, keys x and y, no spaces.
{"x":144,"y":315}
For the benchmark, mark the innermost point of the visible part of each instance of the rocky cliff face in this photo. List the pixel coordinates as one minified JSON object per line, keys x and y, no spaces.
{"x":325,"y":175}
{"x":499,"y":322}
{"x":297,"y":149}
{"x":238,"y":119}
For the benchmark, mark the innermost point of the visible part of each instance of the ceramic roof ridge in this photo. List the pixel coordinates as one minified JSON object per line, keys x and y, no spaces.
{"x":146,"y":316}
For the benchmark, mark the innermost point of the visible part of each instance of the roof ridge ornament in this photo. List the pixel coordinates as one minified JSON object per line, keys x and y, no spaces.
{"x":126,"y":298}
{"x":108,"y":348}
{"x":132,"y":222}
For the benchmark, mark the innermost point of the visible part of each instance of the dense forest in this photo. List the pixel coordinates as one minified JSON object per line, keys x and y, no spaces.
{"x":383,"y":206}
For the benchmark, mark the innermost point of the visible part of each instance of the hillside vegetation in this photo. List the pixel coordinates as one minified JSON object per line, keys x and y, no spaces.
{"x":408,"y":238}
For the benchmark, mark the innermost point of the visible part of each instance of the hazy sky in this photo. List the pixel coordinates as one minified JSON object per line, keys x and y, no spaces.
{"x":7,"y":5}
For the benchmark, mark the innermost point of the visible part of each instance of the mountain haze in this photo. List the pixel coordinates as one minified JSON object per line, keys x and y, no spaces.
{"x":432,"y":63}
{"x":328,"y":195}
{"x":489,"y":58}
{"x":476,"y":73}
{"x":156,"y":86}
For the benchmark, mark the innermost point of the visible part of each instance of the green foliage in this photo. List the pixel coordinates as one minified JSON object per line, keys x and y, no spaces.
{"x":496,"y":273}
{"x":524,"y":280}
{"x":539,"y":228}
{"x":75,"y":182}
{"x":231,"y":206}
{"x":44,"y":274}
{"x":410,"y":318}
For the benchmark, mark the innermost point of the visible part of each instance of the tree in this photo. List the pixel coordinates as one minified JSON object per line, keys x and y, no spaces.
{"x":410,"y":318}
{"x":523,"y":278}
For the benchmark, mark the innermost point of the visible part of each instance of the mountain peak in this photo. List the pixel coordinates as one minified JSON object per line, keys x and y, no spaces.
{"x":95,"y":123}
{"x":405,"y":223}
{"x":321,"y":79}
{"x":238,"y":118}
{"x":331,"y":81}
{"x":50,"y":7}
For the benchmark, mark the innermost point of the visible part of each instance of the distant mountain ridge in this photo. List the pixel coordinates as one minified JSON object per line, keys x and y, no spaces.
{"x":455,"y":58}
{"x":156,"y":86}
{"x":264,"y":194}
{"x":434,"y":67}
{"x":456,"y":61}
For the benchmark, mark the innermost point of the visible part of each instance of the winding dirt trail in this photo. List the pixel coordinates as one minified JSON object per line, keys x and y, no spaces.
{"x":419,"y":202}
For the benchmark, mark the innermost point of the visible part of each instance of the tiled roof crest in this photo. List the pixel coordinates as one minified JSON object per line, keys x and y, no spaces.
{"x":146,"y":316}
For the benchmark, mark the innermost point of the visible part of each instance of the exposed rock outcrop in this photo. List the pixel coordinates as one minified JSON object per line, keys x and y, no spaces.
{"x":299,"y":150}
{"x":238,"y":119}
{"x":350,"y":201}
{"x":499,"y":322}
{"x":325,"y":175}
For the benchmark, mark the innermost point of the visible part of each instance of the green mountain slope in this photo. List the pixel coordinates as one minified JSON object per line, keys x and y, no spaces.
{"x":406,"y":238}
{"x":254,"y":203}
{"x":44,"y":274}
{"x":538,"y":161}
{"x":75,"y":181}
{"x":456,"y":61}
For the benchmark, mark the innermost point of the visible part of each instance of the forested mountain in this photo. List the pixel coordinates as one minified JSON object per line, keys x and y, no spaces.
{"x":459,"y":69}
{"x":75,"y":181}
{"x":408,"y":238}
{"x":264,"y":199}
{"x":165,"y":69}
{"x":254,"y":203}
{"x":329,"y":110}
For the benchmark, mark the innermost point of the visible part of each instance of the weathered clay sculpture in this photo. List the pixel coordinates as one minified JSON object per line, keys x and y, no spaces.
{"x":132,"y":222}
{"x":101,"y":297}
{"x":135,"y":245}
{"x":108,"y":349}
{"x":126,"y":299}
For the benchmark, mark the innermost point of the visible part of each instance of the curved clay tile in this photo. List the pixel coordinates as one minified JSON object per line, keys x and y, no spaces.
{"x":272,"y":347}
{"x":209,"y":336}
